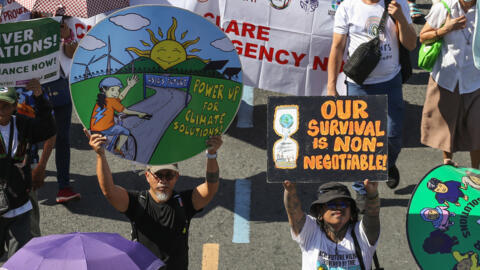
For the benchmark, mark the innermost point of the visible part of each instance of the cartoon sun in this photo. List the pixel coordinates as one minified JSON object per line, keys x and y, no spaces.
{"x":169,"y":52}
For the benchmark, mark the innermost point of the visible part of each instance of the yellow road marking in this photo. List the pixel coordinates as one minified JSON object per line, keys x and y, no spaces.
{"x":210,"y":256}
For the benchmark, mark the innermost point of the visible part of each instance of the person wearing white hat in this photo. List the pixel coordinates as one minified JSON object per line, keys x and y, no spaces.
{"x":160,"y":216}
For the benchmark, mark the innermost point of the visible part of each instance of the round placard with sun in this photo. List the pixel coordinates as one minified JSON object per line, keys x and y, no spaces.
{"x":169,"y":52}
{"x":157,"y":81}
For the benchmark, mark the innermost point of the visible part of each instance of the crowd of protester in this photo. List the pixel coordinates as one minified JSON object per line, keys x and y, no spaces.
{"x":449,"y":123}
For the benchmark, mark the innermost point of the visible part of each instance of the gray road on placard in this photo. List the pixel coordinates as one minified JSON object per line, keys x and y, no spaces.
{"x":164,"y":106}
{"x":243,"y":156}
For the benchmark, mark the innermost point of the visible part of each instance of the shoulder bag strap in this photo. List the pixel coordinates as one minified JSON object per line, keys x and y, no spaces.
{"x":358,"y":251}
{"x":381,"y":25}
{"x":446,"y":6}
{"x":448,"y":11}
{"x":3,"y":144}
{"x":178,"y":197}
{"x":143,"y":201}
{"x":10,"y":139}
{"x":9,"y":152}
{"x":376,"y":262}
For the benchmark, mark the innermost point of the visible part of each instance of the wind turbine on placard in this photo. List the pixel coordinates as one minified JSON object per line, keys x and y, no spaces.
{"x":133,"y":60}
{"x":87,"y":73}
{"x":109,"y":58}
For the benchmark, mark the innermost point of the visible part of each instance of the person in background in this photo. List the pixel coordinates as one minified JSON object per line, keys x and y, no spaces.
{"x":415,"y":13}
{"x":59,"y":96}
{"x":26,"y":107}
{"x":18,"y":133}
{"x":356,"y":22}
{"x":451,"y":112}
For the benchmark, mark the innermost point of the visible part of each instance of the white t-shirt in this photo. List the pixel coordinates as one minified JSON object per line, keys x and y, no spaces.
{"x":455,"y":64}
{"x":5,"y":131}
{"x":319,"y":252}
{"x":359,"y":22}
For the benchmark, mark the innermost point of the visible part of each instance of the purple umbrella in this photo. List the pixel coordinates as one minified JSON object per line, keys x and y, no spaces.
{"x":78,"y":251}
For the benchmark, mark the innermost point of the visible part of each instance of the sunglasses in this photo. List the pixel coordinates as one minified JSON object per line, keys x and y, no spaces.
{"x":165,"y":176}
{"x":338,"y":204}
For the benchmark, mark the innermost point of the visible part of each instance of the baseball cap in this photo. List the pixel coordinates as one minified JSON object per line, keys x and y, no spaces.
{"x":157,"y":168}
{"x":8,"y":94}
{"x":331,"y":191}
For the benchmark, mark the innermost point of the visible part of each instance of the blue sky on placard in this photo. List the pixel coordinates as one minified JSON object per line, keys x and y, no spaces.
{"x":140,"y":18}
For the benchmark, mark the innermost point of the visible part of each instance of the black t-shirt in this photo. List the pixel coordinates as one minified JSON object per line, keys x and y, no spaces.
{"x":163,"y":227}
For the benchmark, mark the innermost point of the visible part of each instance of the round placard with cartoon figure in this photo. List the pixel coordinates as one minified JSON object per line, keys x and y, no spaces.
{"x":157,"y":81}
{"x":443,"y":222}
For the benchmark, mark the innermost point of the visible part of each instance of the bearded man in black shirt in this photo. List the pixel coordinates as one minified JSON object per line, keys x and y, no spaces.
{"x":160,"y":216}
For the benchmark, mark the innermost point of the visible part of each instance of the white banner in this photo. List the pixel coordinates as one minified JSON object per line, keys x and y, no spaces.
{"x":79,"y":28}
{"x":13,"y":12}
{"x":283,"y":45}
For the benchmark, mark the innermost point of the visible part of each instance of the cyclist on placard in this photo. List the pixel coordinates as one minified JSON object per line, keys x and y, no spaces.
{"x":108,"y":102}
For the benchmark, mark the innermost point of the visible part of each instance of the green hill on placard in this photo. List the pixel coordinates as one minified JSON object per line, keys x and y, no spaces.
{"x":192,"y":66}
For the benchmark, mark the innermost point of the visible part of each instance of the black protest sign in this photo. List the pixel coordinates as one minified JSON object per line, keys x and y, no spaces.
{"x":323,"y":139}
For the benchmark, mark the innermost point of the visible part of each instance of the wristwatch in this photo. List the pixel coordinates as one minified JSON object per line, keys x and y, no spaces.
{"x":211,"y":156}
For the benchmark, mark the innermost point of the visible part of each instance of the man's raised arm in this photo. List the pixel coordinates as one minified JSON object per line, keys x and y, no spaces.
{"x":205,"y":192}
{"x":116,"y":195}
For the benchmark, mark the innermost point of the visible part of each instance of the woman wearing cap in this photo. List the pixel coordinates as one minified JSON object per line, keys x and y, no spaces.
{"x":326,"y":235}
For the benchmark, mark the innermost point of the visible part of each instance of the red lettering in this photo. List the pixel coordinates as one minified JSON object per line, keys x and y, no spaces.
{"x":250,"y":48}
{"x":318,"y":62}
{"x":232,"y":27}
{"x":248,"y":28}
{"x":80,"y":30}
{"x":79,"y":33}
{"x":298,"y":58}
{"x":268,"y":54}
{"x":209,"y":15}
{"x":217,"y":22}
{"x":239,"y":47}
{"x":13,"y":13}
{"x":260,"y":52}
{"x":262,"y":33}
{"x":277,"y":57}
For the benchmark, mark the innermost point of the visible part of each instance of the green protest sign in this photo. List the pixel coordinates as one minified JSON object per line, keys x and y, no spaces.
{"x":443,"y":222}
{"x":29,"y":49}
{"x":157,"y":81}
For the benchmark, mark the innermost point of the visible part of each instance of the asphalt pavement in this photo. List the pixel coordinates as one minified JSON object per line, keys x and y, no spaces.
{"x":243,"y":156}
